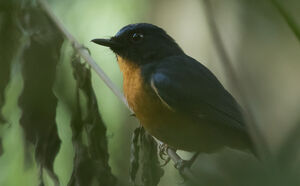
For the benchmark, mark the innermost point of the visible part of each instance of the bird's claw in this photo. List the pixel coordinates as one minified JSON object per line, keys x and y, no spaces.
{"x":163,"y":149}
{"x":181,"y":164}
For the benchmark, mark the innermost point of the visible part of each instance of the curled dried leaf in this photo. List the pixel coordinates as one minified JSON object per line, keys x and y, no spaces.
{"x":91,"y":158}
{"x":134,"y":159}
{"x":37,"y":101}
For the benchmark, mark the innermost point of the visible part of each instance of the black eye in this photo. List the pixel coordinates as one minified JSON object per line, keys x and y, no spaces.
{"x":136,"y":37}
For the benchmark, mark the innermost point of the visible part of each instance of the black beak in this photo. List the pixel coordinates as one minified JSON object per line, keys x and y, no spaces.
{"x":107,"y":42}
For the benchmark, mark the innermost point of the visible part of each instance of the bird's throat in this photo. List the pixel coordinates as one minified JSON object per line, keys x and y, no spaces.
{"x":127,"y":67}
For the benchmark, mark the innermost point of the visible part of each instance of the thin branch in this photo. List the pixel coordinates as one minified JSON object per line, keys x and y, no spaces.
{"x":82,"y":51}
{"x":288,"y":18}
{"x":255,"y":134}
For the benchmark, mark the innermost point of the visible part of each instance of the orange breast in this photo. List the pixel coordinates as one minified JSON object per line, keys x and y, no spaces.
{"x":177,"y":129}
{"x":155,"y":116}
{"x":139,"y":96}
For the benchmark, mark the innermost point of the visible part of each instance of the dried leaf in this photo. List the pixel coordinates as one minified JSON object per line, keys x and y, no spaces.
{"x":91,"y":159}
{"x":144,"y":158}
{"x":37,"y":101}
{"x":149,"y":163}
{"x":134,"y":159}
{"x":9,"y":39}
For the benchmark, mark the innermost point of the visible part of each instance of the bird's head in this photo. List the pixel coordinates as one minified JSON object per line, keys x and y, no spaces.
{"x":141,"y":43}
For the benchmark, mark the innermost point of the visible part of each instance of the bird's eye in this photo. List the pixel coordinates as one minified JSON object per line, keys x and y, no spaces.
{"x":136,"y":37}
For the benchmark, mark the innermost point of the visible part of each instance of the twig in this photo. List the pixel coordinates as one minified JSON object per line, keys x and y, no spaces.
{"x":288,"y":18}
{"x":255,"y":134}
{"x":82,"y":51}
{"x":87,"y":57}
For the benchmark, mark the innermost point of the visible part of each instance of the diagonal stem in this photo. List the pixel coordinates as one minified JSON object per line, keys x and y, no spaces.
{"x":82,"y":51}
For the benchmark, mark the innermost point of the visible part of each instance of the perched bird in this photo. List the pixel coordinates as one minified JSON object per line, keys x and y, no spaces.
{"x":176,"y":98}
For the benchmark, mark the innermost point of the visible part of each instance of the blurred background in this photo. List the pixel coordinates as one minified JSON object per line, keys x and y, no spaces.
{"x":263,"y":49}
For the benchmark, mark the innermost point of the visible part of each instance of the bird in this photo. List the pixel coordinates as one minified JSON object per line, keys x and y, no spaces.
{"x":176,"y":98}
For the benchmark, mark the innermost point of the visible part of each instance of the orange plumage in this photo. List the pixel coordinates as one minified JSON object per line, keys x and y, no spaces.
{"x":176,"y":98}
{"x":177,"y":129}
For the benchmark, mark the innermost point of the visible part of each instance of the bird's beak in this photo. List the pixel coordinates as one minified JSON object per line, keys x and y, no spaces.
{"x":107,"y":43}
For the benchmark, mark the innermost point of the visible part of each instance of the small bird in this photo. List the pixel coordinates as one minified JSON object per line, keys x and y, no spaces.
{"x":175,"y":98}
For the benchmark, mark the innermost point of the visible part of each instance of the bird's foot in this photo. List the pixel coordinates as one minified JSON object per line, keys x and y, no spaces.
{"x":132,"y":115}
{"x":163,"y":154}
{"x":180,"y":165}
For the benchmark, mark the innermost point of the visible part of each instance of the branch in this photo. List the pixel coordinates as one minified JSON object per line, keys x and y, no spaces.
{"x":82,"y":51}
{"x":255,"y":134}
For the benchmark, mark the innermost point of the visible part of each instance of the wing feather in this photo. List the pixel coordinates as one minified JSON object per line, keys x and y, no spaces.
{"x":183,"y":84}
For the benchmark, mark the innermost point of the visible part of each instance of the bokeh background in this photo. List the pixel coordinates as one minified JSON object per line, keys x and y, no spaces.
{"x":263,"y":49}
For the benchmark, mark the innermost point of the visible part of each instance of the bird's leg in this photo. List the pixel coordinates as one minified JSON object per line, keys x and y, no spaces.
{"x":180,"y":165}
{"x":163,"y":153}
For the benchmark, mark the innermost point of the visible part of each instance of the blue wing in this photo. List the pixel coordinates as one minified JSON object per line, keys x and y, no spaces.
{"x":185,"y":85}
